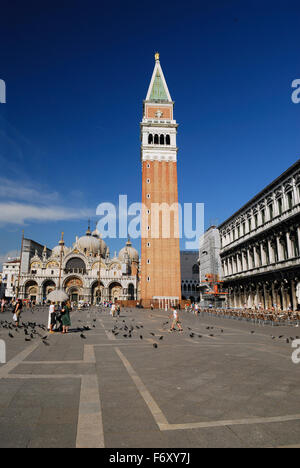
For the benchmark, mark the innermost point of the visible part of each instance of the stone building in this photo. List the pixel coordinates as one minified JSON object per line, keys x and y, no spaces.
{"x":78,"y":267}
{"x":189,"y":275}
{"x":260,"y":246}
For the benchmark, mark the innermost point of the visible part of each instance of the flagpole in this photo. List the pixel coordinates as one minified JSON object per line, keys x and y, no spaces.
{"x":20,"y":266}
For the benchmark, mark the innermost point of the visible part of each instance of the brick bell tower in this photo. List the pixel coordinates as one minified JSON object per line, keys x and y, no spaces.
{"x":160,"y":252}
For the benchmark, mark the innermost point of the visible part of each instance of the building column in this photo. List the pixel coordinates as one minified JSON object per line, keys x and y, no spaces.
{"x":280,"y":249}
{"x":289,"y":246}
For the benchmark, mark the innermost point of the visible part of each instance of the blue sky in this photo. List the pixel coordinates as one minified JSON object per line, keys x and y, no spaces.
{"x":76,"y":75}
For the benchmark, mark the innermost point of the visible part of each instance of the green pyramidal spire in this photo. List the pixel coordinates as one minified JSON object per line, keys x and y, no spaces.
{"x":158,"y":90}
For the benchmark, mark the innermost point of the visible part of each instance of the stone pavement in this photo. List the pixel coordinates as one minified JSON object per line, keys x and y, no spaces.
{"x":232,"y":389}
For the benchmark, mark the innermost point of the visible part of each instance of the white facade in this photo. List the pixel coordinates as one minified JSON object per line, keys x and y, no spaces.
{"x":76,"y":270}
{"x":260,"y":246}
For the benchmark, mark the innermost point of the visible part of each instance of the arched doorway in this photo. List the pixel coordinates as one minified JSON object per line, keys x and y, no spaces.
{"x":47,"y":288}
{"x":115,"y":291}
{"x":31,"y":290}
{"x":96,"y":292}
{"x":131,"y":292}
{"x":74,"y":288}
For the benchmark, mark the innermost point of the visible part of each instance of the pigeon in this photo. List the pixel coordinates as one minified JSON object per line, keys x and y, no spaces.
{"x":161,"y":337}
{"x":153,"y":334}
{"x":155,"y":345}
{"x":252,"y":332}
{"x":199,"y":336}
{"x":141,"y":337}
{"x":287,"y":341}
{"x":192,"y":335}
{"x":10,"y":335}
{"x":82,"y":336}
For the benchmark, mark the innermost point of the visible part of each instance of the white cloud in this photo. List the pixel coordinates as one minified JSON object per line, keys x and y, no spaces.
{"x":20,"y":213}
{"x":4,"y":257}
{"x":14,"y":190}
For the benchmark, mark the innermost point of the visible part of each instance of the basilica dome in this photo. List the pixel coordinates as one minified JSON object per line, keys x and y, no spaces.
{"x":56,"y":251}
{"x":132,"y":253}
{"x":92,"y":243}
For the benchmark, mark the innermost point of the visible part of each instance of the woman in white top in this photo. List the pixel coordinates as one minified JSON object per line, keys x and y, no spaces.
{"x":51,"y":317}
{"x":176,"y":320}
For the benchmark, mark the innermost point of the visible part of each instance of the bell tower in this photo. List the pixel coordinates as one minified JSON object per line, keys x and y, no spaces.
{"x":160,"y":251}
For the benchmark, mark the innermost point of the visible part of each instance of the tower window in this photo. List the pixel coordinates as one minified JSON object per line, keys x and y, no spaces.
{"x":162,"y":139}
{"x":168,"y":140}
{"x":156,"y":140}
{"x":150,"y":139}
{"x":148,"y":166}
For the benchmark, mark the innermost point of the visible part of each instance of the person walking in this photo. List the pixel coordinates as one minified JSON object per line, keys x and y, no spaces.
{"x":17,"y":312}
{"x":176,"y":321}
{"x":65,"y":318}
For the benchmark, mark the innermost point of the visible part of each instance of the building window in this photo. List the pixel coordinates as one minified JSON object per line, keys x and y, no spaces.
{"x":148,"y":181}
{"x":162,"y":139}
{"x":148,"y":195}
{"x":263,"y":216}
{"x":256,"y":221}
{"x":148,"y":166}
{"x":271,"y":211}
{"x":150,"y":139}
{"x":156,"y":139}
{"x":148,"y":244}
{"x":148,"y":261}
{"x":148,"y":279}
{"x":290,"y":200}
{"x":168,"y":140}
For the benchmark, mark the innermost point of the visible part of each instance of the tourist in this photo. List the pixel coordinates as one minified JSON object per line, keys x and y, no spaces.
{"x":52,"y":317}
{"x":65,"y":318}
{"x":176,"y":321}
{"x":2,"y":305}
{"x":17,"y":312}
{"x":113,"y":309}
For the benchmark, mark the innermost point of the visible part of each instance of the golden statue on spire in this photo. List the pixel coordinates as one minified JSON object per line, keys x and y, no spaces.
{"x":156,"y":56}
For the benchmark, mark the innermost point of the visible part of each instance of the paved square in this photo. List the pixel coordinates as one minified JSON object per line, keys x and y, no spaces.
{"x":221,"y":387}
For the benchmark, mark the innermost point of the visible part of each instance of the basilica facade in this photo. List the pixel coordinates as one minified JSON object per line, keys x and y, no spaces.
{"x":86,"y":271}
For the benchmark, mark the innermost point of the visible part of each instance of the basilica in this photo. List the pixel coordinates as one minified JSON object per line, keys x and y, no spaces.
{"x":86,"y":271}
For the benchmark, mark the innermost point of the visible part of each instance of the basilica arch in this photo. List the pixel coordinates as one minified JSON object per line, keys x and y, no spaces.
{"x":115,"y":291}
{"x":73,"y":286}
{"x":47,"y":287}
{"x":31,"y":290}
{"x":96,"y":293}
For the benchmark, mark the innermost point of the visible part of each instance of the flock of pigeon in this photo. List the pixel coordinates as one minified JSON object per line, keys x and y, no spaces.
{"x":121,"y":329}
